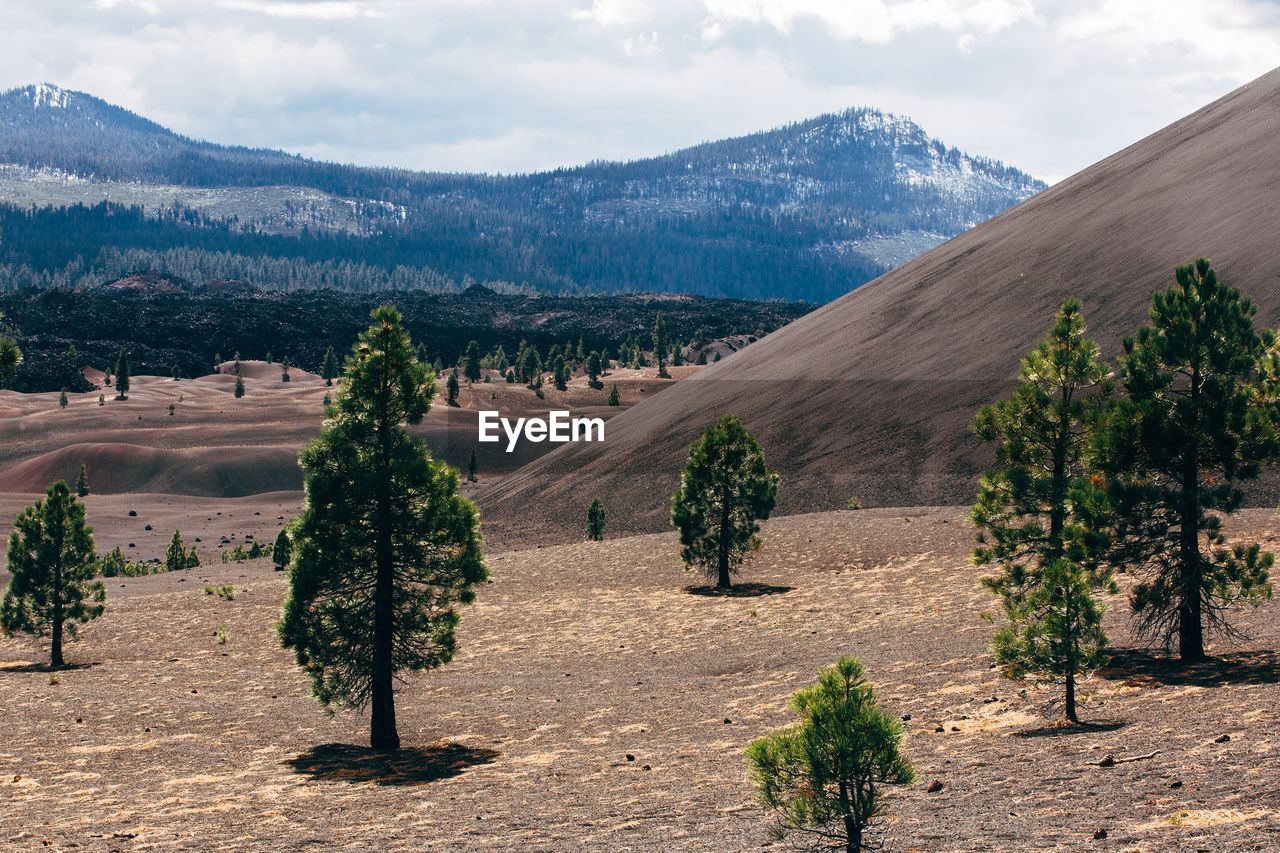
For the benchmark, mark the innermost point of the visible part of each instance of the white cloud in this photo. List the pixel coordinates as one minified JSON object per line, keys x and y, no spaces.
{"x":319,"y":10}
{"x":874,"y":21}
{"x":148,"y":6}
{"x":512,"y":85}
{"x":615,"y":13}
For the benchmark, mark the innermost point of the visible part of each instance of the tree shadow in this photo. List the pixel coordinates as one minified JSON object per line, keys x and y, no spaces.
{"x":742,"y":590}
{"x":44,"y":667}
{"x":1067,"y":729}
{"x":412,"y":765}
{"x":1145,"y":668}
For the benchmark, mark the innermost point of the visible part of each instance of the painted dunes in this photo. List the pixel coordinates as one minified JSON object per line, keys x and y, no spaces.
{"x":113,"y":468}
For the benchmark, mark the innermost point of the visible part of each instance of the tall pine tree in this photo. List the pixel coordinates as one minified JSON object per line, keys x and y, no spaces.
{"x":725,"y":489}
{"x":52,"y":559}
{"x":384,"y":549}
{"x":471,"y":362}
{"x":1039,"y":513}
{"x":122,"y":375}
{"x":595,"y":520}
{"x":1198,"y":419}
{"x":329,"y":369}
{"x":175,"y":558}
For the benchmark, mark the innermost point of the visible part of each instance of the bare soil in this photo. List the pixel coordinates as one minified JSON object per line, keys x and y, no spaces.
{"x":601,"y":700}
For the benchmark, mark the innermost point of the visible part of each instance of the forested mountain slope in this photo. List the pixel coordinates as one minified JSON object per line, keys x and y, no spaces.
{"x":804,"y":212}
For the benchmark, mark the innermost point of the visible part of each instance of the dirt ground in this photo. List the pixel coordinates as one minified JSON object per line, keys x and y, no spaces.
{"x":599,"y":702}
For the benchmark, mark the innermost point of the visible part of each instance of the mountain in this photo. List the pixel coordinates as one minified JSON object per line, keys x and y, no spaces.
{"x":804,"y":212}
{"x":872,"y":394}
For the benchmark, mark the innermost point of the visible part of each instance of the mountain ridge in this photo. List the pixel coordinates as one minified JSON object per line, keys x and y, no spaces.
{"x":803,"y":212}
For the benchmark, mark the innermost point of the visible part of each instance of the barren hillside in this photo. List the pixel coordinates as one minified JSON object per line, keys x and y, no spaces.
{"x":872,"y":394}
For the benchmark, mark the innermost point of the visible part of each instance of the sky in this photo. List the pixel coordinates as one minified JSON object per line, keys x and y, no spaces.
{"x":506,"y":86}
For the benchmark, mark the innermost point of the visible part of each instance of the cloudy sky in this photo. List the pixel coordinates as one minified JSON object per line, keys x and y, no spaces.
{"x":518,"y":85}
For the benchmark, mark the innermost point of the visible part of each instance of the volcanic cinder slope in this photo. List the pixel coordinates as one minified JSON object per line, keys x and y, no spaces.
{"x":872,"y":395}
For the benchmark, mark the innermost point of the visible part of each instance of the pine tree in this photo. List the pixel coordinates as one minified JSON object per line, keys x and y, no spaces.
{"x":1054,"y":632}
{"x":284,"y":369}
{"x":384,"y":548}
{"x":452,"y":387}
{"x":822,"y":777}
{"x":471,"y":466}
{"x":594,"y":369}
{"x":329,"y":370}
{"x":271,"y":358}
{"x":511,"y":376}
{"x":82,"y":482}
{"x":175,"y":558}
{"x":471,"y":362}
{"x":702,"y":357}
{"x":677,"y":354}
{"x":122,"y":376}
{"x":1199,"y":419}
{"x":239,"y":391}
{"x":51,"y":557}
{"x":62,"y":399}
{"x":172,"y":407}
{"x":217,"y":363}
{"x":281,"y":551}
{"x":595,"y":520}
{"x":724,"y":489}
{"x":581,"y":353}
{"x":177,"y":372}
{"x":529,"y":367}
{"x":560,"y":373}
{"x":614,"y":398}
{"x":113,"y":564}
{"x":193,"y":559}
{"x":1038,"y":510}
{"x":102,"y":400}
{"x":10,"y":359}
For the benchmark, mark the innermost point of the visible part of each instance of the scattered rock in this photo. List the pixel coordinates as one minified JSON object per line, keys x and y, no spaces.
{"x":934,"y":787}
{"x":1100,"y":834}
{"x":728,"y":721}
{"x":1222,"y":738}
{"x":646,"y":767}
{"x":133,"y":513}
{"x":1176,"y":785}
{"x":1108,"y":760}
{"x":906,"y":718}
{"x":630,"y":757}
{"x":940,"y":729}
{"x":955,"y":728}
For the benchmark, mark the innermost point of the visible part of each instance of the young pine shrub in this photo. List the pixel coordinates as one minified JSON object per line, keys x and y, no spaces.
{"x":824,"y":777}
